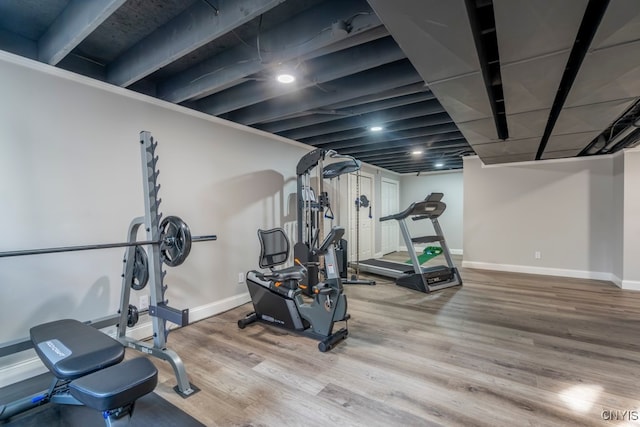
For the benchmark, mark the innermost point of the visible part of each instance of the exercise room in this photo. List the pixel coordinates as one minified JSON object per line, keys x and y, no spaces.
{"x":319,"y":213}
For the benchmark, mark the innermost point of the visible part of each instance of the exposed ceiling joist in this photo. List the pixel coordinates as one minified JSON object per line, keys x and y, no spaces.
{"x":314,"y":72}
{"x":75,"y":23}
{"x":315,"y":28}
{"x":396,"y":74}
{"x":403,"y":112}
{"x":196,"y":26}
{"x":449,"y":73}
{"x":288,"y":124}
{"x":421,"y":160}
{"x":390,"y":156}
{"x":433,"y":120}
{"x":425,"y":142}
{"x":408,"y":136}
{"x":360,"y":115}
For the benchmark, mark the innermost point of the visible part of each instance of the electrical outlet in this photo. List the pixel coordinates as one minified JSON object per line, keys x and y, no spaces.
{"x":144,"y":302}
{"x":536,"y":255}
{"x":240,"y":277}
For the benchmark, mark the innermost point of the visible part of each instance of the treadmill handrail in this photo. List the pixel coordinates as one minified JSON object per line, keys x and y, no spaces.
{"x":435,"y":213}
{"x":422,"y":209}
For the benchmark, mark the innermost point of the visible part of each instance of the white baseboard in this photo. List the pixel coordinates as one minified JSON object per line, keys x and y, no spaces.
{"x":632,"y":285}
{"x":218,"y":307}
{"x":144,"y":330}
{"x":21,"y":370}
{"x":31,"y":365}
{"x":616,"y":280}
{"x":578,"y":274}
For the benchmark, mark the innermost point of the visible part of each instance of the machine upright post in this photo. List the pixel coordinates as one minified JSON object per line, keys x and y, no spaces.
{"x":156,"y":275}
{"x":152,"y":225}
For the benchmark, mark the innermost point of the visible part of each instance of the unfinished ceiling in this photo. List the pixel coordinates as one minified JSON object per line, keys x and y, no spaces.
{"x":511,"y":80}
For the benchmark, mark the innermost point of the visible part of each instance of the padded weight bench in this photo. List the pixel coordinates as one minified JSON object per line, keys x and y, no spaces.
{"x":87,"y":369}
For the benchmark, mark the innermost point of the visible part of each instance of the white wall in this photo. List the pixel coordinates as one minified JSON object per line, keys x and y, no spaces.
{"x":631,"y":220}
{"x":617,"y":217}
{"x":70,"y":174}
{"x":561,"y":208}
{"x":414,"y":188}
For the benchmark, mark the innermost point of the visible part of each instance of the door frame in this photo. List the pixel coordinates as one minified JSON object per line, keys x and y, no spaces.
{"x":397,"y":184}
{"x":352,"y":207}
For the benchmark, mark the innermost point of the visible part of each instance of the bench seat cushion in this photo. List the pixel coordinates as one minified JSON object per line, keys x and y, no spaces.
{"x":116,"y":386}
{"x":71,"y":349}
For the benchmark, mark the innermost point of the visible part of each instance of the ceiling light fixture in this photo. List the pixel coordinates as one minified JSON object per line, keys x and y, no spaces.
{"x":416,"y":152}
{"x":439,"y":165}
{"x":375,"y":128}
{"x":285,"y":78}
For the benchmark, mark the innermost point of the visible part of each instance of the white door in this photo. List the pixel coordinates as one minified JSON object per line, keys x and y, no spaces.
{"x":389,"y":204}
{"x":361,"y":221}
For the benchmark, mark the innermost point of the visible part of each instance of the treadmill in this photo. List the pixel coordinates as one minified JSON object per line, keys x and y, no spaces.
{"x":423,"y":279}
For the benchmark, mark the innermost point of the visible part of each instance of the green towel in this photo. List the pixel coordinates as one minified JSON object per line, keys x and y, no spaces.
{"x":428,"y":253}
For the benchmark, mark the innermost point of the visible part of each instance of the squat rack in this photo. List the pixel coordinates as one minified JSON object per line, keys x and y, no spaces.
{"x":170,"y":242}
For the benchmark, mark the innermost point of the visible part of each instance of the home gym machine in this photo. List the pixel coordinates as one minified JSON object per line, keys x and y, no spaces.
{"x":312,"y":210}
{"x":424,"y":279}
{"x":277,"y":296}
{"x":169,"y":241}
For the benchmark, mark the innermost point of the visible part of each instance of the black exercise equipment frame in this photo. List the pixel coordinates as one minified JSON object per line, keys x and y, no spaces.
{"x":417,"y":277}
{"x":311,"y":213}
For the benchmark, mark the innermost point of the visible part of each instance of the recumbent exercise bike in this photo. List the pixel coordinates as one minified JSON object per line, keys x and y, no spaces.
{"x":277,"y":296}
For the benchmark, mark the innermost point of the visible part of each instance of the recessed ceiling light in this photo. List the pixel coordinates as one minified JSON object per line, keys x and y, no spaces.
{"x":375,"y":128}
{"x":439,"y":164}
{"x":285,"y":78}
{"x":416,"y":152}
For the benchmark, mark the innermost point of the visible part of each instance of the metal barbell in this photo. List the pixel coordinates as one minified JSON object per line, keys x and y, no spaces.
{"x":175,"y":243}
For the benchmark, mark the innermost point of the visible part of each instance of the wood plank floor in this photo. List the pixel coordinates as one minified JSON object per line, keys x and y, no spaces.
{"x":504,"y":349}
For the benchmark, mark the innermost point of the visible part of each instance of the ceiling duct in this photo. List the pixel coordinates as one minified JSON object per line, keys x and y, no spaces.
{"x":601,"y":100}
{"x":483,"y":28}
{"x":623,"y":133}
{"x":590,"y":22}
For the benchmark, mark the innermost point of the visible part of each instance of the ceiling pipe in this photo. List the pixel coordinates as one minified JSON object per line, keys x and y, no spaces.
{"x":622,"y":135}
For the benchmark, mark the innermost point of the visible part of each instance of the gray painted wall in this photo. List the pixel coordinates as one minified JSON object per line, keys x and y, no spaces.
{"x":414,"y":188}
{"x":70,"y":174}
{"x":631,"y":231}
{"x":617,"y":217}
{"x":563,"y":209}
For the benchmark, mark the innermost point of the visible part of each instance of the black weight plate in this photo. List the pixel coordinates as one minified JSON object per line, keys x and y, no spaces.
{"x":175,"y":241}
{"x":140,"y":275}
{"x":132,"y":316}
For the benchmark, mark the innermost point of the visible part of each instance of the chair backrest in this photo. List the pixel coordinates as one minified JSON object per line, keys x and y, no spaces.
{"x":274,"y":247}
